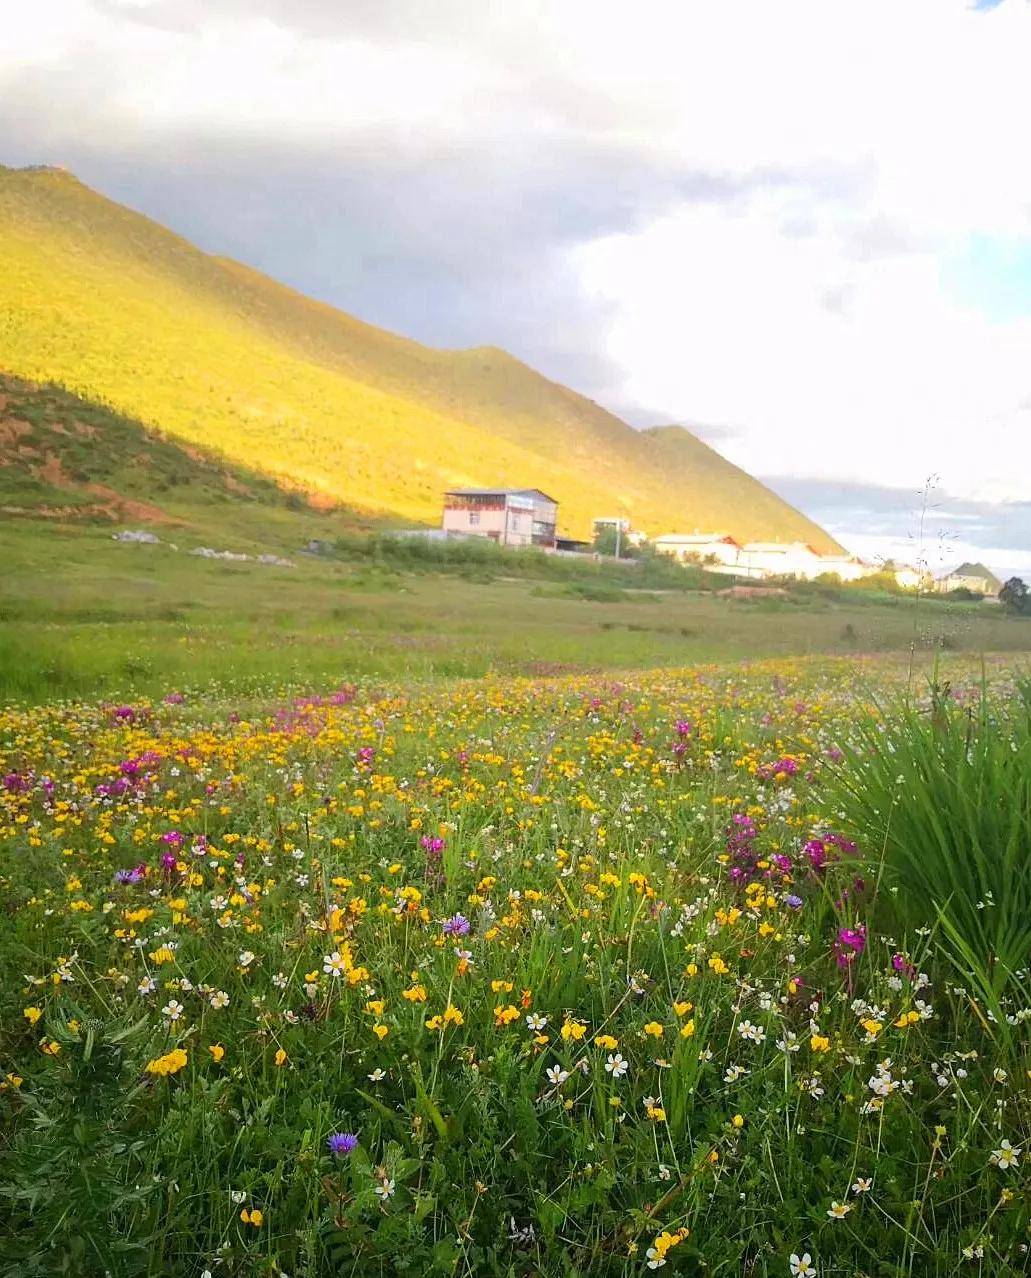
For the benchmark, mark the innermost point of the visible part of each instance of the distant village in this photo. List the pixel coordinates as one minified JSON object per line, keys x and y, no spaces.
{"x":527,"y":517}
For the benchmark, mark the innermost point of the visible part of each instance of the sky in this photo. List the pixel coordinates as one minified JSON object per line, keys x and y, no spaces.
{"x":802,"y":230}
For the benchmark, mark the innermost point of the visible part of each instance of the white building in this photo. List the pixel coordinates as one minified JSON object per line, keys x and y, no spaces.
{"x":845,"y":567}
{"x":780,"y":559}
{"x":702,"y":548}
{"x":510,"y":516}
{"x":721,"y":553}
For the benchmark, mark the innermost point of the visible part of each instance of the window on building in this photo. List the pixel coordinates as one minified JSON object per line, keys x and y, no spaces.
{"x":474,"y":517}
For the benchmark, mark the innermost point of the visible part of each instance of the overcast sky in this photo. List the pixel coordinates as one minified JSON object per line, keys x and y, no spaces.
{"x":802,"y":229}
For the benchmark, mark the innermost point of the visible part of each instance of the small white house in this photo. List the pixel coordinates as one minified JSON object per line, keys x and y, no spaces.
{"x":704,"y":548}
{"x":509,"y":516}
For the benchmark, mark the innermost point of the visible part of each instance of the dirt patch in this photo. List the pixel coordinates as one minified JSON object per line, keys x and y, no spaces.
{"x":127,"y":508}
{"x":74,"y":429}
{"x":12,"y":429}
{"x":53,"y":472}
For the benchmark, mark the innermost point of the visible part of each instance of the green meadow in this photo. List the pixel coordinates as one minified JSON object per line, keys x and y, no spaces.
{"x":84,"y":616}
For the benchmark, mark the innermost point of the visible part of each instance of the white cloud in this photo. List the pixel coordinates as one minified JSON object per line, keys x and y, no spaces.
{"x":797,"y":302}
{"x":939,"y":556}
{"x":811,"y":318}
{"x":821,"y":363}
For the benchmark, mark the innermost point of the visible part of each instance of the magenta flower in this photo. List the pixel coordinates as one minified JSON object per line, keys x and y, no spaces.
{"x":851,"y":942}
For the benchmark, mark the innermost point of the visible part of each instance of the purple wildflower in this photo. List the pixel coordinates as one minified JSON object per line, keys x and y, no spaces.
{"x":457,"y":925}
{"x":784,"y":767}
{"x":816,"y":851}
{"x":342,"y":1143}
{"x":851,"y":942}
{"x":744,"y":856}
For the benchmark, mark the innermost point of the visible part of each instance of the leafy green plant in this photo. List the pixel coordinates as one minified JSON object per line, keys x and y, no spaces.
{"x":939,"y":793}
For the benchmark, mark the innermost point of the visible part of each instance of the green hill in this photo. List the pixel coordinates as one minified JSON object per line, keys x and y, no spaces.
{"x":66,"y":460}
{"x":125,"y":314}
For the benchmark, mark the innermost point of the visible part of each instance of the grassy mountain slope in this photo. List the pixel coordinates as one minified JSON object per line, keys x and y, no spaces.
{"x":721,"y":489}
{"x":121,"y":311}
{"x":66,"y":460}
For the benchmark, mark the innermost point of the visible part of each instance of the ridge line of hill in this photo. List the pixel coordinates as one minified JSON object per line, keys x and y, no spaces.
{"x":116,"y":308}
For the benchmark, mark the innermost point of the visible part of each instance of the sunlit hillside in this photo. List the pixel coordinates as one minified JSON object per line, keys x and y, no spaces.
{"x":121,"y":311}
{"x":68,"y":461}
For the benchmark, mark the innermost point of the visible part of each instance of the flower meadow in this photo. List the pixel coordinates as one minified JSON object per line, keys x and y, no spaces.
{"x":586,"y":975}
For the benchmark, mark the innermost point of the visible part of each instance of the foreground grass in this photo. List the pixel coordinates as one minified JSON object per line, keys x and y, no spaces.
{"x":584,"y":970}
{"x":81,"y":616}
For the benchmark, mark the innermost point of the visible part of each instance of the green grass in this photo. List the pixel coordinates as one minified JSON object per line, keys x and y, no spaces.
{"x":82,"y":616}
{"x":583,"y":835}
{"x":938,"y":791}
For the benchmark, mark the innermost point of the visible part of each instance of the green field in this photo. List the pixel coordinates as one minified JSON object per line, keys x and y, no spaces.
{"x":240,"y":803}
{"x":83,"y":616}
{"x":414,"y":908}
{"x":718,"y":970}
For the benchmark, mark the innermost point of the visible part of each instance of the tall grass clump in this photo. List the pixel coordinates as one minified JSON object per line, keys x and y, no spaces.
{"x":938,"y":792}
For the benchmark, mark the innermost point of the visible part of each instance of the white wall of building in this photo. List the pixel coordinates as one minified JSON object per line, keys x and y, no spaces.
{"x":758,"y":560}
{"x":689,"y":546}
{"x":509,"y":527}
